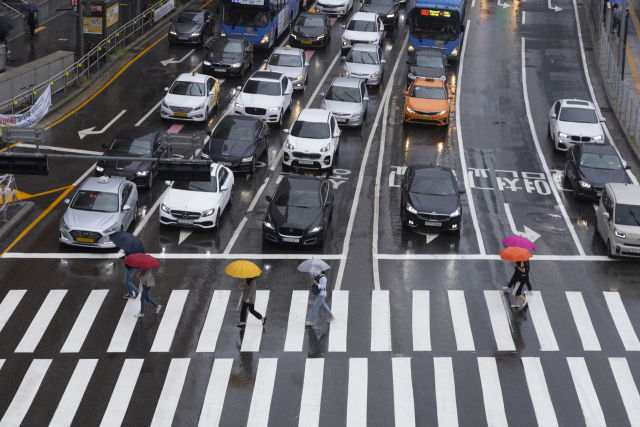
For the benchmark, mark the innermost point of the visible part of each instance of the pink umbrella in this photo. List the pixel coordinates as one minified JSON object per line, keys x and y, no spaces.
{"x":519,"y":242}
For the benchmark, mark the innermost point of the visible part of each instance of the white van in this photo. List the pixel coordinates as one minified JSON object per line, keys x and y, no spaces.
{"x":618,"y":219}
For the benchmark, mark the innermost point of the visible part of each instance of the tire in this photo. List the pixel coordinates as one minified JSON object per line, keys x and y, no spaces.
{"x":135,"y":213}
{"x":280,"y":121}
{"x":549,"y":131}
{"x":150,"y":181}
{"x":253,"y":165}
{"x":218,"y":220}
{"x":609,"y":250}
{"x":566,"y":174}
{"x":231,"y":196}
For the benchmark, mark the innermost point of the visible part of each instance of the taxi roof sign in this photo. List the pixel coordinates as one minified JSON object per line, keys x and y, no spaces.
{"x":287,"y":47}
{"x":103,"y":180}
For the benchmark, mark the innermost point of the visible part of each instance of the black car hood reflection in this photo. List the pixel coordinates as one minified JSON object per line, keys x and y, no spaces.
{"x":600,"y":177}
{"x":381,"y":10}
{"x":294,"y":217}
{"x":186,"y":27}
{"x":308,"y":31}
{"x":128,"y":165}
{"x":427,"y":71}
{"x":231,"y":147}
{"x":439,"y":204}
{"x":225,"y":57}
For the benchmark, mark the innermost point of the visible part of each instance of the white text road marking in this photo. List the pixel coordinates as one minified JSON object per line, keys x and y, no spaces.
{"x":583,"y":321}
{"x":9,"y":304}
{"x":253,"y":330}
{"x":499,"y":321}
{"x":622,"y":322}
{"x":445,"y":392}
{"x":380,"y":321}
{"x":492,"y":392}
{"x":542,"y":405}
{"x":297,"y":317}
{"x":124,"y":329}
{"x":39,"y":324}
{"x":541,"y":322}
{"x":311,"y":393}
{"x":73,"y":393}
{"x":216,"y":391}
{"x":586,"y":392}
{"x":90,"y":131}
{"x":168,"y":402}
{"x":627,"y":387}
{"x":357,"y":393}
{"x":83,"y":323}
{"x":403,"y":406}
{"x":169,"y":323}
{"x":122,"y":393}
{"x":338,"y":329}
{"x":421,"y":321}
{"x":262,"y":393}
{"x":213,"y":323}
{"x":460,"y":319}
{"x":25,"y":394}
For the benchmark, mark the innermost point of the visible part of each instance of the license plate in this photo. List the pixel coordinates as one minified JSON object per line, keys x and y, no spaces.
{"x":634,"y":251}
{"x":225,"y":163}
{"x":342,"y":120}
{"x":305,"y":42}
{"x":180,"y":114}
{"x":432,"y":224}
{"x":289,"y":239}
{"x":85,"y":240}
{"x":185,"y":221}
{"x":183,"y":38}
{"x":219,"y":70}
{"x":598,"y":193}
{"x":426,"y":117}
{"x":305,"y":162}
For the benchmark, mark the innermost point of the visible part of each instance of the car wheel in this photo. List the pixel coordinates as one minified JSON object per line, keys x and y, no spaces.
{"x":231,"y":196}
{"x":135,"y":212}
{"x":609,"y":250}
{"x":253,"y":165}
{"x":290,"y":105}
{"x":218,"y":220}
{"x":280,"y":121}
{"x":121,"y":227}
{"x":150,"y":181}
{"x":549,"y":130}
{"x":324,"y":236}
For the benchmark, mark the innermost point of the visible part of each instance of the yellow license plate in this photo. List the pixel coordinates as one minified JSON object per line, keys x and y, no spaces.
{"x":180,"y":114}
{"x":85,"y":240}
{"x":305,"y":42}
{"x":426,"y":117}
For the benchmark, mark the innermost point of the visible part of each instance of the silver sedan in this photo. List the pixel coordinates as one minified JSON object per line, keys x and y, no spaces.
{"x":347,"y":99}
{"x":292,"y":62}
{"x":364,"y":62}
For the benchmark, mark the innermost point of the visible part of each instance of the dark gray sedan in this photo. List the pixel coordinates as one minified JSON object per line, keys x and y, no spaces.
{"x":191,"y":26}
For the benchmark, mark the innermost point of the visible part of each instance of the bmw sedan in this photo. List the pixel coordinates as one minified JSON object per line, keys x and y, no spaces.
{"x":228,"y":56}
{"x":311,"y":30}
{"x":590,"y":166}
{"x":348,"y":100}
{"x":365,"y":62}
{"x":191,"y":26}
{"x":299,"y":211}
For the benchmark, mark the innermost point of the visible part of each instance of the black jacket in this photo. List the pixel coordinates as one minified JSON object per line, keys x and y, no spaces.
{"x":521,"y":277}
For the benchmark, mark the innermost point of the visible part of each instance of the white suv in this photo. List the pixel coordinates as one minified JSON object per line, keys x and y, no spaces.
{"x":573,"y":120}
{"x":618,"y":219}
{"x":363,"y":27}
{"x":313,"y":140}
{"x":266,"y":95}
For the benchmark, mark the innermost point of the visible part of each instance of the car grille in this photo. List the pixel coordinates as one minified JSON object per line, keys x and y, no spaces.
{"x":427,"y":113}
{"x":227,"y":159}
{"x":86,"y":234}
{"x":117,"y":172}
{"x":300,"y":155}
{"x":598,"y":189}
{"x":293,"y":232}
{"x":360,"y":74}
{"x":358,"y":41}
{"x":255,"y":111}
{"x":180,"y":109}
{"x":219,"y":65}
{"x":433,"y":217}
{"x":188,"y":35}
{"x":185,"y":214}
{"x":578,"y":138}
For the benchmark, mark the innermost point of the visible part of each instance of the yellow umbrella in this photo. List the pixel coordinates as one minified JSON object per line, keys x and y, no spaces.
{"x":243,"y":269}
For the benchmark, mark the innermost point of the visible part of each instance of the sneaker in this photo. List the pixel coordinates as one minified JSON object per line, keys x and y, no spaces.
{"x":505,"y":288}
{"x":136,"y":295}
{"x":331,"y":319}
{"x":158,"y":308}
{"x":514,"y":305}
{"x":128,"y":296}
{"x":525,"y":303}
{"x":308,"y":323}
{"x":139,"y":315}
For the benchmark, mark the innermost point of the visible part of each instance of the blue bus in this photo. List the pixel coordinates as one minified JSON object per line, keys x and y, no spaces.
{"x":260,"y":21}
{"x":437,"y":24}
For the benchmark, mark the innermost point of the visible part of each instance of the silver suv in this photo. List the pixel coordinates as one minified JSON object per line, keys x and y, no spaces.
{"x":618,"y":219}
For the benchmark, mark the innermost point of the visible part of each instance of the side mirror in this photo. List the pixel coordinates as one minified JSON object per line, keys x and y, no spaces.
{"x":285,"y":130}
{"x":239,"y":87}
{"x":602,"y":119}
{"x":209,"y":132}
{"x":553,"y":115}
{"x":306,"y":64}
{"x":166,"y":89}
{"x":260,"y":138}
{"x":404,"y":186}
{"x":288,"y":91}
{"x":224,"y":188}
{"x":329,"y":203}
{"x":104,"y":146}
{"x":343,"y":57}
{"x":383,"y":62}
{"x":450,"y":96}
{"x":67,"y":201}
{"x":336,"y":134}
{"x":160,"y":150}
{"x":344,"y":26}
{"x":627,"y":167}
{"x":409,"y":62}
{"x":462,"y":27}
{"x":448,"y":65}
{"x":167,"y":183}
{"x":268,"y":199}
{"x":605,"y":215}
{"x":322,"y":94}
{"x":126,"y":208}
{"x":405,"y":93}
{"x":366,"y":98}
{"x":462,"y":191}
{"x":265,"y":61}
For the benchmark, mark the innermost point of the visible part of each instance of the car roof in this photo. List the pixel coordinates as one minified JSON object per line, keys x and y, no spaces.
{"x":92,"y":184}
{"x":428,"y":52}
{"x":626,"y":194}
{"x":192,"y":77}
{"x":577,"y":103}
{"x":314,"y":115}
{"x":590,"y":147}
{"x":284,"y":51}
{"x":364,"y":16}
{"x":432,"y":171}
{"x":365,"y":47}
{"x":311,"y":14}
{"x":267,"y":75}
{"x":301,"y":181}
{"x":233,"y":39}
{"x":245,"y":121}
{"x":133,"y":132}
{"x":429,"y":81}
{"x":346,"y":82}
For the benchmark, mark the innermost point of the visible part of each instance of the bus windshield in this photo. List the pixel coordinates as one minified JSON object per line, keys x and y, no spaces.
{"x":434,"y":24}
{"x":242,"y":15}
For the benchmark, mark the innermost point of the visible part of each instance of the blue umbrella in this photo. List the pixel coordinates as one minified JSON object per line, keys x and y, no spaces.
{"x":127,"y":242}
{"x":30,"y":7}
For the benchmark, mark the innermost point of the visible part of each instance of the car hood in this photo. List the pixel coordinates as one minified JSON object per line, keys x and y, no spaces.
{"x":285,"y":216}
{"x":362,"y":68}
{"x":360,"y":35}
{"x":259,"y":101}
{"x":333,"y":2}
{"x":195,"y":201}
{"x":89,"y":220}
{"x":342,"y":107}
{"x":383,"y":9}
{"x":585,"y":129}
{"x":183,"y":100}
{"x":439,"y":204}
{"x":129,"y":165}
{"x":225,"y":57}
{"x":230,"y":147}
{"x":308,"y":31}
{"x":600,"y":177}
{"x":422,"y":104}
{"x":308,"y":144}
{"x":287,"y":71}
{"x":186,"y":27}
{"x":427,"y":72}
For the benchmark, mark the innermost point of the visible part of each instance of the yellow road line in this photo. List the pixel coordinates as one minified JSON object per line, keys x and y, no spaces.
{"x":206,"y":4}
{"x":39,"y":29}
{"x":29,"y":196}
{"x":17,"y":143}
{"x":634,"y":71}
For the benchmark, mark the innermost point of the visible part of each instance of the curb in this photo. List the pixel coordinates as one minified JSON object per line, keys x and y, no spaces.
{"x":13,"y":222}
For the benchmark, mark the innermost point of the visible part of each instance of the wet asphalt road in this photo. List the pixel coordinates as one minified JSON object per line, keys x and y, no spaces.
{"x":388,"y":319}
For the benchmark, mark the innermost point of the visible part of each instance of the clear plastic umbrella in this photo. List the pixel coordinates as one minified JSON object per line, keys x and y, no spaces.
{"x":312,"y":265}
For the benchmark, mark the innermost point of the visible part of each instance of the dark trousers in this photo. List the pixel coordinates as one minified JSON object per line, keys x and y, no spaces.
{"x":32,"y":29}
{"x":243,"y":312}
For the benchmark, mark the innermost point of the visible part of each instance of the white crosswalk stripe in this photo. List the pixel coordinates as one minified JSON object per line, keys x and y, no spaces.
{"x":169,"y":323}
{"x":83,"y":322}
{"x":380,"y":321}
{"x":253,"y":330}
{"x":124,"y":329}
{"x":499,"y":321}
{"x":41,"y":321}
{"x":119,"y":402}
{"x":421,"y":321}
{"x":297,"y":318}
{"x":2,"y":362}
{"x":542,"y":323}
{"x":356,"y":399}
{"x":460,"y":319}
{"x":216,"y":391}
{"x":403,"y":406}
{"x":72,"y":396}
{"x":492,"y":392}
{"x":262,"y":393}
{"x":627,"y":387}
{"x":338,"y":328}
{"x":583,"y":322}
{"x":168,"y":402}
{"x":213,"y":323}
{"x":540,"y":397}
{"x":593,"y":415}
{"x":9,"y":304}
{"x":622,"y":322}
{"x":445,"y":392}
{"x":311,"y":393}
{"x":25,"y":394}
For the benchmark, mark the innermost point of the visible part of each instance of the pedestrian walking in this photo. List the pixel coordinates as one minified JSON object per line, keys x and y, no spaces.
{"x":321,"y":282}
{"x":518,"y":281}
{"x":248,"y":299}
{"x":148,"y":282}
{"x":4,"y":38}
{"x":128,"y":276}
{"x":617,"y":15}
{"x":31,"y":20}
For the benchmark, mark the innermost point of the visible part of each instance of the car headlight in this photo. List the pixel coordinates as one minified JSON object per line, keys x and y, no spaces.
{"x":410,"y":49}
{"x":442,"y":112}
{"x":64,"y":225}
{"x":410,"y":208}
{"x":455,"y":213}
{"x":390,"y":15}
{"x":300,"y":77}
{"x":165,"y":208}
{"x":142,"y":173}
{"x":315,"y":229}
{"x":236,"y":65}
{"x":99,"y":168}
{"x":247,"y":159}
{"x":268,"y":225}
{"x":293,"y":36}
{"x":411,"y":76}
{"x":563,"y":135}
{"x":222,"y":33}
{"x":208,"y":212}
{"x":345,"y":42}
{"x":409,"y":109}
{"x":173,"y":33}
{"x":199,"y":107}
{"x":356,"y":114}
{"x":290,"y":145}
{"x":376,"y":74}
{"x":454,"y":52}
{"x":597,"y":138}
{"x":265,"y":39}
{"x":111,"y":229}
{"x":326,"y":148}
{"x":195,"y":33}
{"x":206,"y":62}
{"x":274,"y":108}
{"x":373,"y":42}
{"x":164,"y":104}
{"x":320,"y":37}
{"x":205,"y":155}
{"x":239,"y":106}
{"x":619,"y":233}
{"x":584,"y":184}
{"x":345,"y":71}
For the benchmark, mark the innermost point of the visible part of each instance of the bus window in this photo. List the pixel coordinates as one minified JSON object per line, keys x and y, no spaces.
{"x":242,"y":15}
{"x":434,"y":24}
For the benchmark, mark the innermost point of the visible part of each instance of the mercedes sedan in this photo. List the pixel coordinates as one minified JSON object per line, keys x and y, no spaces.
{"x":228,"y":55}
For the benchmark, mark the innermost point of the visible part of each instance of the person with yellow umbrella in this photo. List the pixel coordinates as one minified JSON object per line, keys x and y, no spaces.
{"x":248,"y":271}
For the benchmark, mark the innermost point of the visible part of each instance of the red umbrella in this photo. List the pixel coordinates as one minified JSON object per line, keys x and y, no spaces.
{"x":519,"y":242}
{"x":142,"y":261}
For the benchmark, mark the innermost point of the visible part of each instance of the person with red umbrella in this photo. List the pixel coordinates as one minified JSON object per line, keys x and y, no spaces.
{"x":145,"y":263}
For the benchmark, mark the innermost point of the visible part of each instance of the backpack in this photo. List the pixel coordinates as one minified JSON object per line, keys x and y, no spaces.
{"x":315,"y":290}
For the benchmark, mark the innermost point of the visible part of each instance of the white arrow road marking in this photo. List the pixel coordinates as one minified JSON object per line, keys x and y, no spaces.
{"x":429,"y":236}
{"x":556,"y":8}
{"x":505,"y":5}
{"x":172,"y":61}
{"x":528,"y":233}
{"x":90,"y":131}
{"x":184,"y":233}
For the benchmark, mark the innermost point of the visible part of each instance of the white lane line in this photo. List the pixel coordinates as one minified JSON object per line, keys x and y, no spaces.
{"x":169,"y":324}
{"x":338,"y":328}
{"x":543,"y":162}
{"x":589,"y":258}
{"x":311,"y":393}
{"x":297,"y":317}
{"x":541,"y":322}
{"x":164,"y":255}
{"x":403,"y":404}
{"x":122,"y":392}
{"x":542,"y":405}
{"x":523,"y":17}
{"x":26,"y":393}
{"x":622,"y":322}
{"x":583,"y":322}
{"x":216,"y":391}
{"x":376,"y":197}
{"x":171,"y":391}
{"x":2,"y":362}
{"x":66,"y":150}
{"x":445,"y":392}
{"x":72,"y":396}
{"x":380,"y":321}
{"x":253,"y":330}
{"x":463,"y":160}
{"x":499,"y":321}
{"x":84,"y":175}
{"x":146,"y":116}
{"x":627,"y":387}
{"x":593,"y":415}
{"x":262,"y":393}
{"x":421,"y":321}
{"x":124,"y":329}
{"x":460,"y":319}
{"x":213,"y":323}
{"x":492,"y":392}
{"x":235,"y":236}
{"x":357,"y":392}
{"x":41,"y":321}
{"x":84,"y":321}
{"x":9,"y":304}
{"x":257,"y":196}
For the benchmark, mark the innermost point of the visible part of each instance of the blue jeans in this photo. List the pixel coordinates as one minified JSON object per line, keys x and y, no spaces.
{"x":128,"y":275}
{"x":146,"y":297}
{"x":319,"y":302}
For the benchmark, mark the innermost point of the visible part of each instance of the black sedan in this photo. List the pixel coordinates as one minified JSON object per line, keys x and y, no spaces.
{"x":133,"y":141}
{"x":311,"y":29}
{"x":430,"y":198}
{"x":427,"y":63}
{"x":228,"y":56}
{"x":299,"y":211}
{"x":237,"y":142}
{"x":590,"y":166}
{"x":191,"y":26}
{"x":387,"y":10}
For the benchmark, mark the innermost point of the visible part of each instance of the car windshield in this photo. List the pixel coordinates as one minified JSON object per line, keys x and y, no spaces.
{"x":187,"y":88}
{"x":95,"y":201}
{"x":140,"y":146}
{"x":280,"y":60}
{"x":361,"y":57}
{"x":344,"y":94}
{"x":313,"y":130}
{"x":244,"y":15}
{"x":428,"y":92}
{"x":309,"y":21}
{"x":262,"y":88}
{"x":298,"y":198}
{"x":238,"y":133}
{"x":363,"y":26}
{"x":600,"y":161}
{"x":228,"y":47}
{"x":190,"y":18}
{"x":204,"y":186}
{"x":433,"y":24}
{"x":578,"y":115}
{"x":432,"y":186}
{"x":627,"y":215}
{"x":427,"y":61}
{"x":379,"y":2}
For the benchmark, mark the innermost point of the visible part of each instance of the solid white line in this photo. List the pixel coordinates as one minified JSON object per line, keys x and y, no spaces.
{"x":541,"y":322}
{"x":72,"y":396}
{"x":253,"y":330}
{"x":41,"y":321}
{"x":463,"y":160}
{"x":235,"y":236}
{"x":146,"y":116}
{"x":326,"y":74}
{"x":213,"y":323}
{"x":583,"y":321}
{"x":554,"y":190}
{"x":445,"y":392}
{"x":622,"y":322}
{"x":26,"y":393}
{"x":492,"y":392}
{"x":499,"y":321}
{"x":380,"y":321}
{"x":84,"y":321}
{"x":587,"y":396}
{"x":164,"y":255}
{"x":122,"y":392}
{"x":473,"y":3}
{"x":311,"y":393}
{"x":84,"y":175}
{"x":627,"y":387}
{"x":124,"y":329}
{"x":357,"y":392}
{"x":376,"y":198}
{"x":144,"y":220}
{"x":297,"y":317}
{"x":460,"y":319}
{"x":421,"y":321}
{"x":338,"y":328}
{"x":539,"y":393}
{"x":262,"y":393}
{"x":67,"y":150}
{"x":403,"y":405}
{"x":216,"y":391}
{"x":257,"y":196}
{"x":406,"y":257}
{"x":9,"y":304}
{"x":523,"y":17}
{"x":171,"y":391}
{"x":170,"y":318}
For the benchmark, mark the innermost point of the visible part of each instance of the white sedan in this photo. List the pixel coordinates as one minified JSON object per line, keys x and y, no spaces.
{"x":293,"y":62}
{"x":313,"y":140}
{"x":198,"y":203}
{"x":191,"y":97}
{"x":266,"y":95}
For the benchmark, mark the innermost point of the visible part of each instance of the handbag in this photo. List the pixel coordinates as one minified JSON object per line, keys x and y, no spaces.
{"x":151,"y":283}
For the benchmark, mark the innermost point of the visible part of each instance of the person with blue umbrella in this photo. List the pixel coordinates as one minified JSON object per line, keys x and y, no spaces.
{"x":32,"y":10}
{"x":130,"y":244}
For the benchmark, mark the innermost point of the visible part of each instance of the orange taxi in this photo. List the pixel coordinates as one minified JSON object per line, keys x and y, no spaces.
{"x":427,"y":101}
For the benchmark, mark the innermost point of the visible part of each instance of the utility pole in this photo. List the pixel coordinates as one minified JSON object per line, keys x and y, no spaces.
{"x":79,"y":38}
{"x":621,"y":31}
{"x":623,"y":43}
